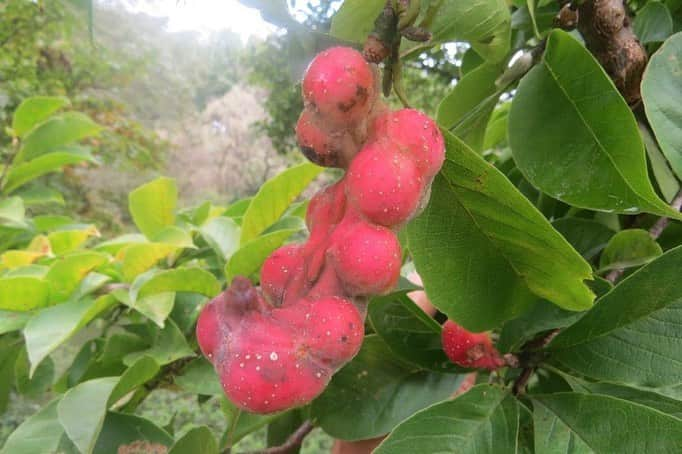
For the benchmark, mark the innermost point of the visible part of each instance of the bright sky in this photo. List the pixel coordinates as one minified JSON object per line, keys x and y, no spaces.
{"x":206,"y":16}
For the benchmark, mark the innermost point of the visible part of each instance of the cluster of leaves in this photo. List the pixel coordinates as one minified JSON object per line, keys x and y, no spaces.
{"x":540,"y":198}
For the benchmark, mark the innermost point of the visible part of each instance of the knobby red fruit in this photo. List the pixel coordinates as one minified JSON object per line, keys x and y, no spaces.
{"x":384,"y":184}
{"x":269,"y":358}
{"x":467,"y":349}
{"x":340,"y":84}
{"x":277,"y":348}
{"x":415,"y":134}
{"x":366,"y":257}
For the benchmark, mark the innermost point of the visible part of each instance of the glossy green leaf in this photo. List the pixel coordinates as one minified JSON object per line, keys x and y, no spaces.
{"x":649,"y":399}
{"x":88,"y":398}
{"x":25,"y":172}
{"x":583,"y":147}
{"x":40,"y":195}
{"x":484,"y":251}
{"x":42,"y":379}
{"x":575,"y":419}
{"x":153,"y":205}
{"x":222,"y":234}
{"x":628,"y":248}
{"x":485,"y":24}
{"x":465,"y":111}
{"x":138,"y":258}
{"x":376,"y":391}
{"x":619,"y":339}
{"x":39,"y":434}
{"x":355,"y":19}
{"x":200,"y":377}
{"x":13,"y":321}
{"x":194,"y":280}
{"x":274,"y":197}
{"x":195,"y":441}
{"x":114,"y":245}
{"x":122,"y":429}
{"x":12,"y":212}
{"x":155,"y":307}
{"x":34,"y":110}
{"x":175,"y":236}
{"x":54,"y":133}
{"x":169,"y":345}
{"x":50,"y":327}
{"x":64,"y":241}
{"x":23,"y":293}
{"x":667,"y":183}
{"x":662,"y":96}
{"x":408,"y":332}
{"x":249,"y":258}
{"x":68,"y":271}
{"x":587,"y":236}
{"x":553,"y":436}
{"x":484,"y":420}
{"x":653,"y":23}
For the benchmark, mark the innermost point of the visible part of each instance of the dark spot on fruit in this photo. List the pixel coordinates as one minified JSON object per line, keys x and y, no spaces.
{"x":324,"y":160}
{"x":344,"y":339}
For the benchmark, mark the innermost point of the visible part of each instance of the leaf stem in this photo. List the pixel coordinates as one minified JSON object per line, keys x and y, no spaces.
{"x":295,"y":440}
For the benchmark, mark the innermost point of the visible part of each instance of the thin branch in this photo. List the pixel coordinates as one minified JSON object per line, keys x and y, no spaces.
{"x":655,"y":231}
{"x":295,"y":440}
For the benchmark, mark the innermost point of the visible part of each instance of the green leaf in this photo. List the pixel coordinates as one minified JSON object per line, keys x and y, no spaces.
{"x":169,"y":345}
{"x":155,"y":307}
{"x":408,"y":332}
{"x":40,"y":195}
{"x":200,"y":378}
{"x":619,"y":339}
{"x":64,"y":241}
{"x":138,"y":258}
{"x":153,"y":205}
{"x":51,"y":327}
{"x":114,"y":245}
{"x":196,"y":440}
{"x":574,"y":419}
{"x":23,"y":293}
{"x":22,"y":173}
{"x":222,"y":234}
{"x":10,"y":347}
{"x":249,"y":258}
{"x":566,"y":148}
{"x":194,"y":280}
{"x":122,"y":429}
{"x":483,"y":250}
{"x":668,"y":184}
{"x":88,"y":398}
{"x":355,"y":19}
{"x":483,"y":420}
{"x":553,"y":436}
{"x":649,"y":399}
{"x":54,"y":133}
{"x":41,"y":380}
{"x":34,"y":110}
{"x":238,"y":208}
{"x":662,"y":96}
{"x":653,"y":23}
{"x":274,"y":197}
{"x":12,"y":212}
{"x":39,"y":434}
{"x":587,"y":236}
{"x":13,"y":321}
{"x":175,"y":236}
{"x":68,"y":271}
{"x":376,"y":391}
{"x":628,"y":248}
{"x":465,"y":111}
{"x":486,"y":24}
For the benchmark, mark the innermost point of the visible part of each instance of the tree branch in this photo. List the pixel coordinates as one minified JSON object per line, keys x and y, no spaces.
{"x":296,"y":439}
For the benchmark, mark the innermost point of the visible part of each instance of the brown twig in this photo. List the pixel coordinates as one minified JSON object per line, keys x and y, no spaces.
{"x":295,"y":440}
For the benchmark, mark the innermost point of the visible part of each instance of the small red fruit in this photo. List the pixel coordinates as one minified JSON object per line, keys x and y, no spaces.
{"x":366,"y":257}
{"x":278,"y":270}
{"x":384,"y":184}
{"x":467,"y":349}
{"x":414,"y":133}
{"x":340,"y":84}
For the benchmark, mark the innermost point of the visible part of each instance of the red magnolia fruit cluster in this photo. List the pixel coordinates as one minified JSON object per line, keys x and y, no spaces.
{"x":277,"y":348}
{"x":467,"y":349}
